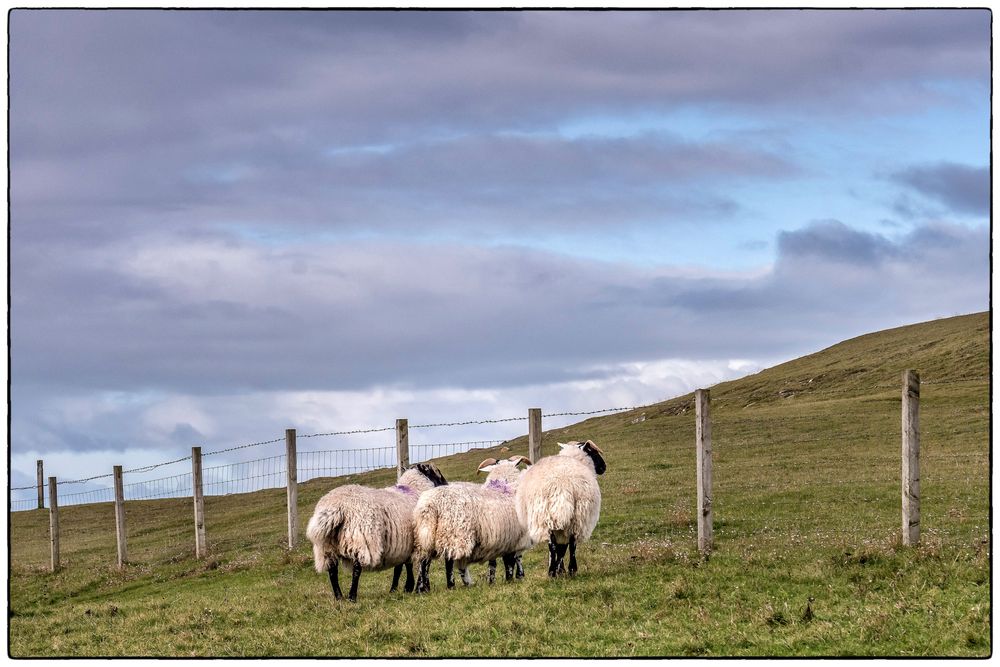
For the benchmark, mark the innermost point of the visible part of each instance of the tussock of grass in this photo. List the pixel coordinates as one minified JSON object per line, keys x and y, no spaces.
{"x":806,"y":504}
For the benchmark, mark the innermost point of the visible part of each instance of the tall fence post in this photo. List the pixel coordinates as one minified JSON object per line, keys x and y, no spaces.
{"x":911,"y":458}
{"x":703,"y":447}
{"x":534,"y":434}
{"x":120,"y":517}
{"x":53,"y":524}
{"x":402,"y":447}
{"x":199,"y":503}
{"x":40,"y":477}
{"x":293,"y":488}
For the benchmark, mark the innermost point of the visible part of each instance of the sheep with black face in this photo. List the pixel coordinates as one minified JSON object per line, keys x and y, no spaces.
{"x":558,"y":499}
{"x":370,"y":529}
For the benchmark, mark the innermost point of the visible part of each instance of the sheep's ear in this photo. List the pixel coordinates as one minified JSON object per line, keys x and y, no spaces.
{"x":563,"y":445}
{"x":518,"y":460}
{"x":487,"y":465}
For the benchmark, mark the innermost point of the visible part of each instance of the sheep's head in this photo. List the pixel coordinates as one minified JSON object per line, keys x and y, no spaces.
{"x":430,"y":471}
{"x":591,"y":449}
{"x":491,"y":464}
{"x":503,"y":474}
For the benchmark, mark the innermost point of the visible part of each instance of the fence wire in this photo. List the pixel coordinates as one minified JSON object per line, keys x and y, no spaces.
{"x":427,"y":452}
{"x":850,"y":496}
{"x":333,"y":463}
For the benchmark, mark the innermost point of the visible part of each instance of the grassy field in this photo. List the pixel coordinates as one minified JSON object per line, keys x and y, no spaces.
{"x":806,"y":503}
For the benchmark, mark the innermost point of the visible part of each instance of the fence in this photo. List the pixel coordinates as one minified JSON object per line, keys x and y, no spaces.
{"x":293,"y":467}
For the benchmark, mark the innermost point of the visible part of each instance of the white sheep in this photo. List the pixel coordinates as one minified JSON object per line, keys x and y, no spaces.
{"x":466,"y":523}
{"x":558,"y":499}
{"x":372,"y":529}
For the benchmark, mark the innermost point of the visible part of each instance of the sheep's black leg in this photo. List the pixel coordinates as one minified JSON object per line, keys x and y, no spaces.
{"x":449,"y":574}
{"x":408,"y":586}
{"x":519,"y":573}
{"x":423,"y":576}
{"x":560,"y":554}
{"x":572,"y":555}
{"x":355,"y":576}
{"x":491,"y":573}
{"x":508,"y":567}
{"x":334,"y":579}
{"x":553,"y":561}
{"x":396,"y":571}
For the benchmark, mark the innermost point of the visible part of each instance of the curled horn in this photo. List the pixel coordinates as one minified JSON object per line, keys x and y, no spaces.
{"x":518,"y":460}
{"x":487,"y":462}
{"x":594,"y":445}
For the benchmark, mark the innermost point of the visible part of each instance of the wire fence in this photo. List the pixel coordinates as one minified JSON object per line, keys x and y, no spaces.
{"x":257,"y":474}
{"x":253,"y":475}
{"x":770,"y":482}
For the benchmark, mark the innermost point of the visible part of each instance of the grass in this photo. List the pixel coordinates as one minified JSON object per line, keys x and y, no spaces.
{"x":806,"y":507}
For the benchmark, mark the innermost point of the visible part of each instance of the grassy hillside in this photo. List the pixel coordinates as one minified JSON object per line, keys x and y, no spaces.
{"x":806,"y":502}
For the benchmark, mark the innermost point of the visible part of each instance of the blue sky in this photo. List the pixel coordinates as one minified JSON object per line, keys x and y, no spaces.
{"x":224,"y":224}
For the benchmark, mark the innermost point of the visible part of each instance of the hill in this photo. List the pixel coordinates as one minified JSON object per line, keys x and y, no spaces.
{"x":806,"y":504}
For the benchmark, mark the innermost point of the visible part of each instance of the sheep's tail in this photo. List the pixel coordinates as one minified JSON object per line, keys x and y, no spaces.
{"x":425,"y":523}
{"x":322,"y":532}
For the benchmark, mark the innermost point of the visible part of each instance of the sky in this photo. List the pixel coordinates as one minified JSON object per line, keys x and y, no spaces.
{"x":224,"y":224}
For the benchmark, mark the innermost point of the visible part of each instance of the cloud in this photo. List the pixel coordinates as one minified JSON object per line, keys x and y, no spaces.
{"x":96,"y":83}
{"x":177,"y":315}
{"x":478,"y":184}
{"x":833,"y":241}
{"x":961,"y":188}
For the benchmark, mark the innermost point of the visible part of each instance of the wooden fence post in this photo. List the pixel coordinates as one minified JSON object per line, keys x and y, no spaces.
{"x":402,"y":447}
{"x":534,"y":434}
{"x":703,"y":448}
{"x":41,"y":484}
{"x":120,"y":517}
{"x":911,"y":458}
{"x":293,"y":488}
{"x":53,"y":524}
{"x":199,"y":503}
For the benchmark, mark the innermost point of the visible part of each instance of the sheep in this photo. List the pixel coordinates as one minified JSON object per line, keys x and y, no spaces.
{"x":558,"y":499}
{"x":467,"y":523}
{"x":370,"y":528}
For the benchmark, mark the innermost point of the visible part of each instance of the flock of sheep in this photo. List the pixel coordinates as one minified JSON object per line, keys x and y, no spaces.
{"x":424,"y":517}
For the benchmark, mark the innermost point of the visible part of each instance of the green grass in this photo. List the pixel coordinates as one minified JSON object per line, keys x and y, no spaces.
{"x":806,"y":505}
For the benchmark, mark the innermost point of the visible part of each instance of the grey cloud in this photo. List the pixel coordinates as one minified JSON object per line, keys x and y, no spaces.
{"x":155,"y":117}
{"x":338,"y":317}
{"x":962,"y":188}
{"x":834,"y":241}
{"x":91,"y":81}
{"x":491,"y":182}
{"x":185,"y":434}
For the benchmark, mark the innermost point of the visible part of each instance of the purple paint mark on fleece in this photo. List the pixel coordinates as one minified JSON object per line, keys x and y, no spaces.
{"x":498,"y":485}
{"x":405,"y":489}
